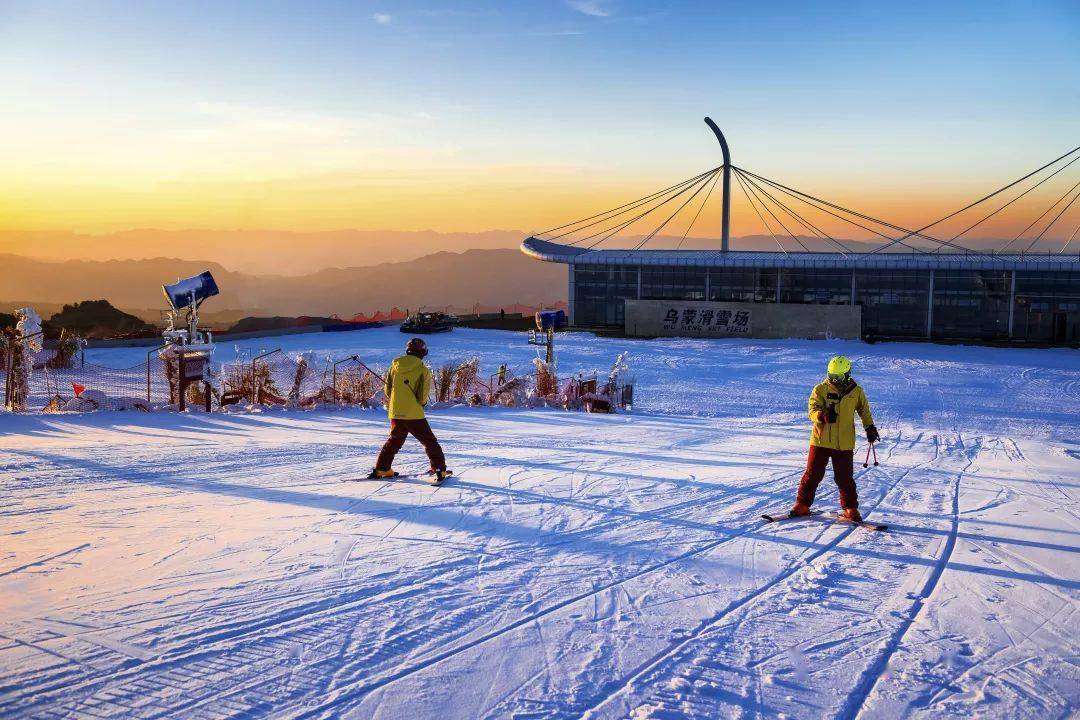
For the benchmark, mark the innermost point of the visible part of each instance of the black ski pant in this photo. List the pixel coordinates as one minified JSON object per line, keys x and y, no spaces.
{"x":843,"y":465}
{"x":419,"y":429}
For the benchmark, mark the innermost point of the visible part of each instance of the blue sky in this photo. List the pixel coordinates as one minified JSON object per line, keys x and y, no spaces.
{"x":848,"y":97}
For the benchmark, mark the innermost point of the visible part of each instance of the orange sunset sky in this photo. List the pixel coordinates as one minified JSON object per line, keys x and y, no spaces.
{"x":516,"y":116}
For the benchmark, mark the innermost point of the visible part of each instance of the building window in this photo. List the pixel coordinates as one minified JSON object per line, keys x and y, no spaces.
{"x":814,"y":286}
{"x":672,"y":283}
{"x":894,"y":302}
{"x":971,"y":304}
{"x":1046,"y":304}
{"x":599,"y":291}
{"x":742,"y":284}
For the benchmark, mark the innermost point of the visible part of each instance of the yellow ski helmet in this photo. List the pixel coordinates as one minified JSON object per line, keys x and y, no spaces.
{"x":839,"y":367}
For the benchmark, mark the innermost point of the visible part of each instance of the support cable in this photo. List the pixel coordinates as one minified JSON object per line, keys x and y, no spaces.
{"x":763,"y":221}
{"x":1045,"y":212}
{"x":825,"y":210}
{"x":622,"y":226}
{"x":1066,"y":245}
{"x":995,"y":212}
{"x":982,"y":199}
{"x":620,"y":210}
{"x":870,"y":218}
{"x":678,"y":210}
{"x":810,"y":227}
{"x":701,"y":207}
{"x":778,"y":220}
{"x":1056,"y":217}
{"x":812,"y":231}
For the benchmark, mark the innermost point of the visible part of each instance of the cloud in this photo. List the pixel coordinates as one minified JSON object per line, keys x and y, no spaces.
{"x":594,"y":8}
{"x":382,"y":18}
{"x":237,"y":124}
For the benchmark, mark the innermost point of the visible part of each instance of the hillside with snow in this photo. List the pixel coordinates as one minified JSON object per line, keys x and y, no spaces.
{"x":602,"y":566}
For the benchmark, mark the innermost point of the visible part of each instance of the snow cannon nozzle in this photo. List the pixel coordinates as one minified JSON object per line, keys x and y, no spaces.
{"x":190,"y":291}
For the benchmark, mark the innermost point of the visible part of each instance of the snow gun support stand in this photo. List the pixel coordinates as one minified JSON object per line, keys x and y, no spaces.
{"x":547,"y":340}
{"x":869,"y":448}
{"x":547,"y":322}
{"x":191,"y":347}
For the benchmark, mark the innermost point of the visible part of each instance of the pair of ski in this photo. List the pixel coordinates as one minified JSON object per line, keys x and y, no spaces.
{"x":433,"y":478}
{"x":836,"y":517}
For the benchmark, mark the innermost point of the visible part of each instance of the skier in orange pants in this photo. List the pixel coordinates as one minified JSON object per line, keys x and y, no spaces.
{"x":832,"y":407}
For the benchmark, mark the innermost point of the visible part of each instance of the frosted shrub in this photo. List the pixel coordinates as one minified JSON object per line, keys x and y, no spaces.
{"x":24,"y":344}
{"x":547,"y":382}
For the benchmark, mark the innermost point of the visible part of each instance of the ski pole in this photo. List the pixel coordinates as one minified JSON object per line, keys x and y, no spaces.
{"x":866,"y":462}
{"x":872,"y":447}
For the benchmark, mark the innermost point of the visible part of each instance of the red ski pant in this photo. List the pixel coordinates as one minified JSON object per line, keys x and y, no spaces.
{"x":843,"y":465}
{"x":419,"y":429}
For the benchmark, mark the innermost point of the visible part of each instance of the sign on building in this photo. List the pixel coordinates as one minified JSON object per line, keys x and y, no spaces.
{"x":703,"y":319}
{"x":706,"y":321}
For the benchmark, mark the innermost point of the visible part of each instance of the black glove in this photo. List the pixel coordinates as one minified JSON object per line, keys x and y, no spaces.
{"x":830,"y":414}
{"x":872,"y":434}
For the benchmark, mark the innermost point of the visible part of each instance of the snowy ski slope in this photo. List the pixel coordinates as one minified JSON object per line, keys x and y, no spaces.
{"x":190,"y":566}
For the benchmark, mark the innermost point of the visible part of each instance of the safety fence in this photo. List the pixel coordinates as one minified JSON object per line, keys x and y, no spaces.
{"x":276,"y":378}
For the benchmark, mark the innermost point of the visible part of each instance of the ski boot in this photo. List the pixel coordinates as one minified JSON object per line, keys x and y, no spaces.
{"x":798,"y":510}
{"x":851,"y":514}
{"x":377,"y":474}
{"x":437,"y":476}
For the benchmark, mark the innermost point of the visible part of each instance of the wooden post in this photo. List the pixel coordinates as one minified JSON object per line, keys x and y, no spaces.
{"x":181,"y":380}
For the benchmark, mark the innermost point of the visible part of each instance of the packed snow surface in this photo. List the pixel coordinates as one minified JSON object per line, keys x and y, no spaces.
{"x":233,"y":565}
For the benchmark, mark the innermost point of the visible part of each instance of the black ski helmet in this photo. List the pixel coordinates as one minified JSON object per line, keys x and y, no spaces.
{"x":416,"y":347}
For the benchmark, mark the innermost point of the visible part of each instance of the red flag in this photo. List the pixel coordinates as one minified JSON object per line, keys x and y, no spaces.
{"x":77,"y":388}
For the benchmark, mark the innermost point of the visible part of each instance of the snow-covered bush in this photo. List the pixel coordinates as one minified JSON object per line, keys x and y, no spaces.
{"x":303,"y":371}
{"x":23,"y":345}
{"x":67,"y":347}
{"x":547,"y":382}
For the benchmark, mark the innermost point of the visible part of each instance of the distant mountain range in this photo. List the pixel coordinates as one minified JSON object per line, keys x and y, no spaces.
{"x":278,"y":252}
{"x":256,"y":252}
{"x":492,"y":278}
{"x":291,"y":277}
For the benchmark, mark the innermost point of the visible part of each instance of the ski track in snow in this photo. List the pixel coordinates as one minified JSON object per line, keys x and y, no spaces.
{"x":576,"y":566}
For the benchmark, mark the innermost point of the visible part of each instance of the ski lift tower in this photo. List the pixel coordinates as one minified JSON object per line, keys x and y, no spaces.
{"x":191,"y":347}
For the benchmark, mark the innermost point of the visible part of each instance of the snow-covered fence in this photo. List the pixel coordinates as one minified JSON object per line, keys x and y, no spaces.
{"x":53,"y":388}
{"x":302,"y":381}
{"x":459,"y":382}
{"x":357,"y":384}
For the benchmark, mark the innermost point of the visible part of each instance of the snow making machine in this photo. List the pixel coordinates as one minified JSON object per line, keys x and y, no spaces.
{"x":187,"y":350}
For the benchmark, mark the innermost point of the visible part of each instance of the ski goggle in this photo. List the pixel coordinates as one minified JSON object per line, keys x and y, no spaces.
{"x":840,"y":378}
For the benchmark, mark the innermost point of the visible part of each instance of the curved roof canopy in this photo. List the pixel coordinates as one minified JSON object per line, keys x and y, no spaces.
{"x":555,"y":252}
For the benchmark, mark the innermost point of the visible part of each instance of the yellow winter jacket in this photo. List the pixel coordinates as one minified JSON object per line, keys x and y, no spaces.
{"x":408,"y":384}
{"x":839,"y":435}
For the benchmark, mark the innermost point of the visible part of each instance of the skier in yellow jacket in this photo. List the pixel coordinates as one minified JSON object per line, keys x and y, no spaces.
{"x":832,"y":407}
{"x":407,"y":386}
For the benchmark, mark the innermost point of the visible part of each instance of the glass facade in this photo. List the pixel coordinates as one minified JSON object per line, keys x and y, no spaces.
{"x":1047,"y":306}
{"x":967,"y":304}
{"x":813,"y":286}
{"x":599,"y":291}
{"x":742,"y":284}
{"x":971,"y":304}
{"x":894,"y":302}
{"x":673,"y":283}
